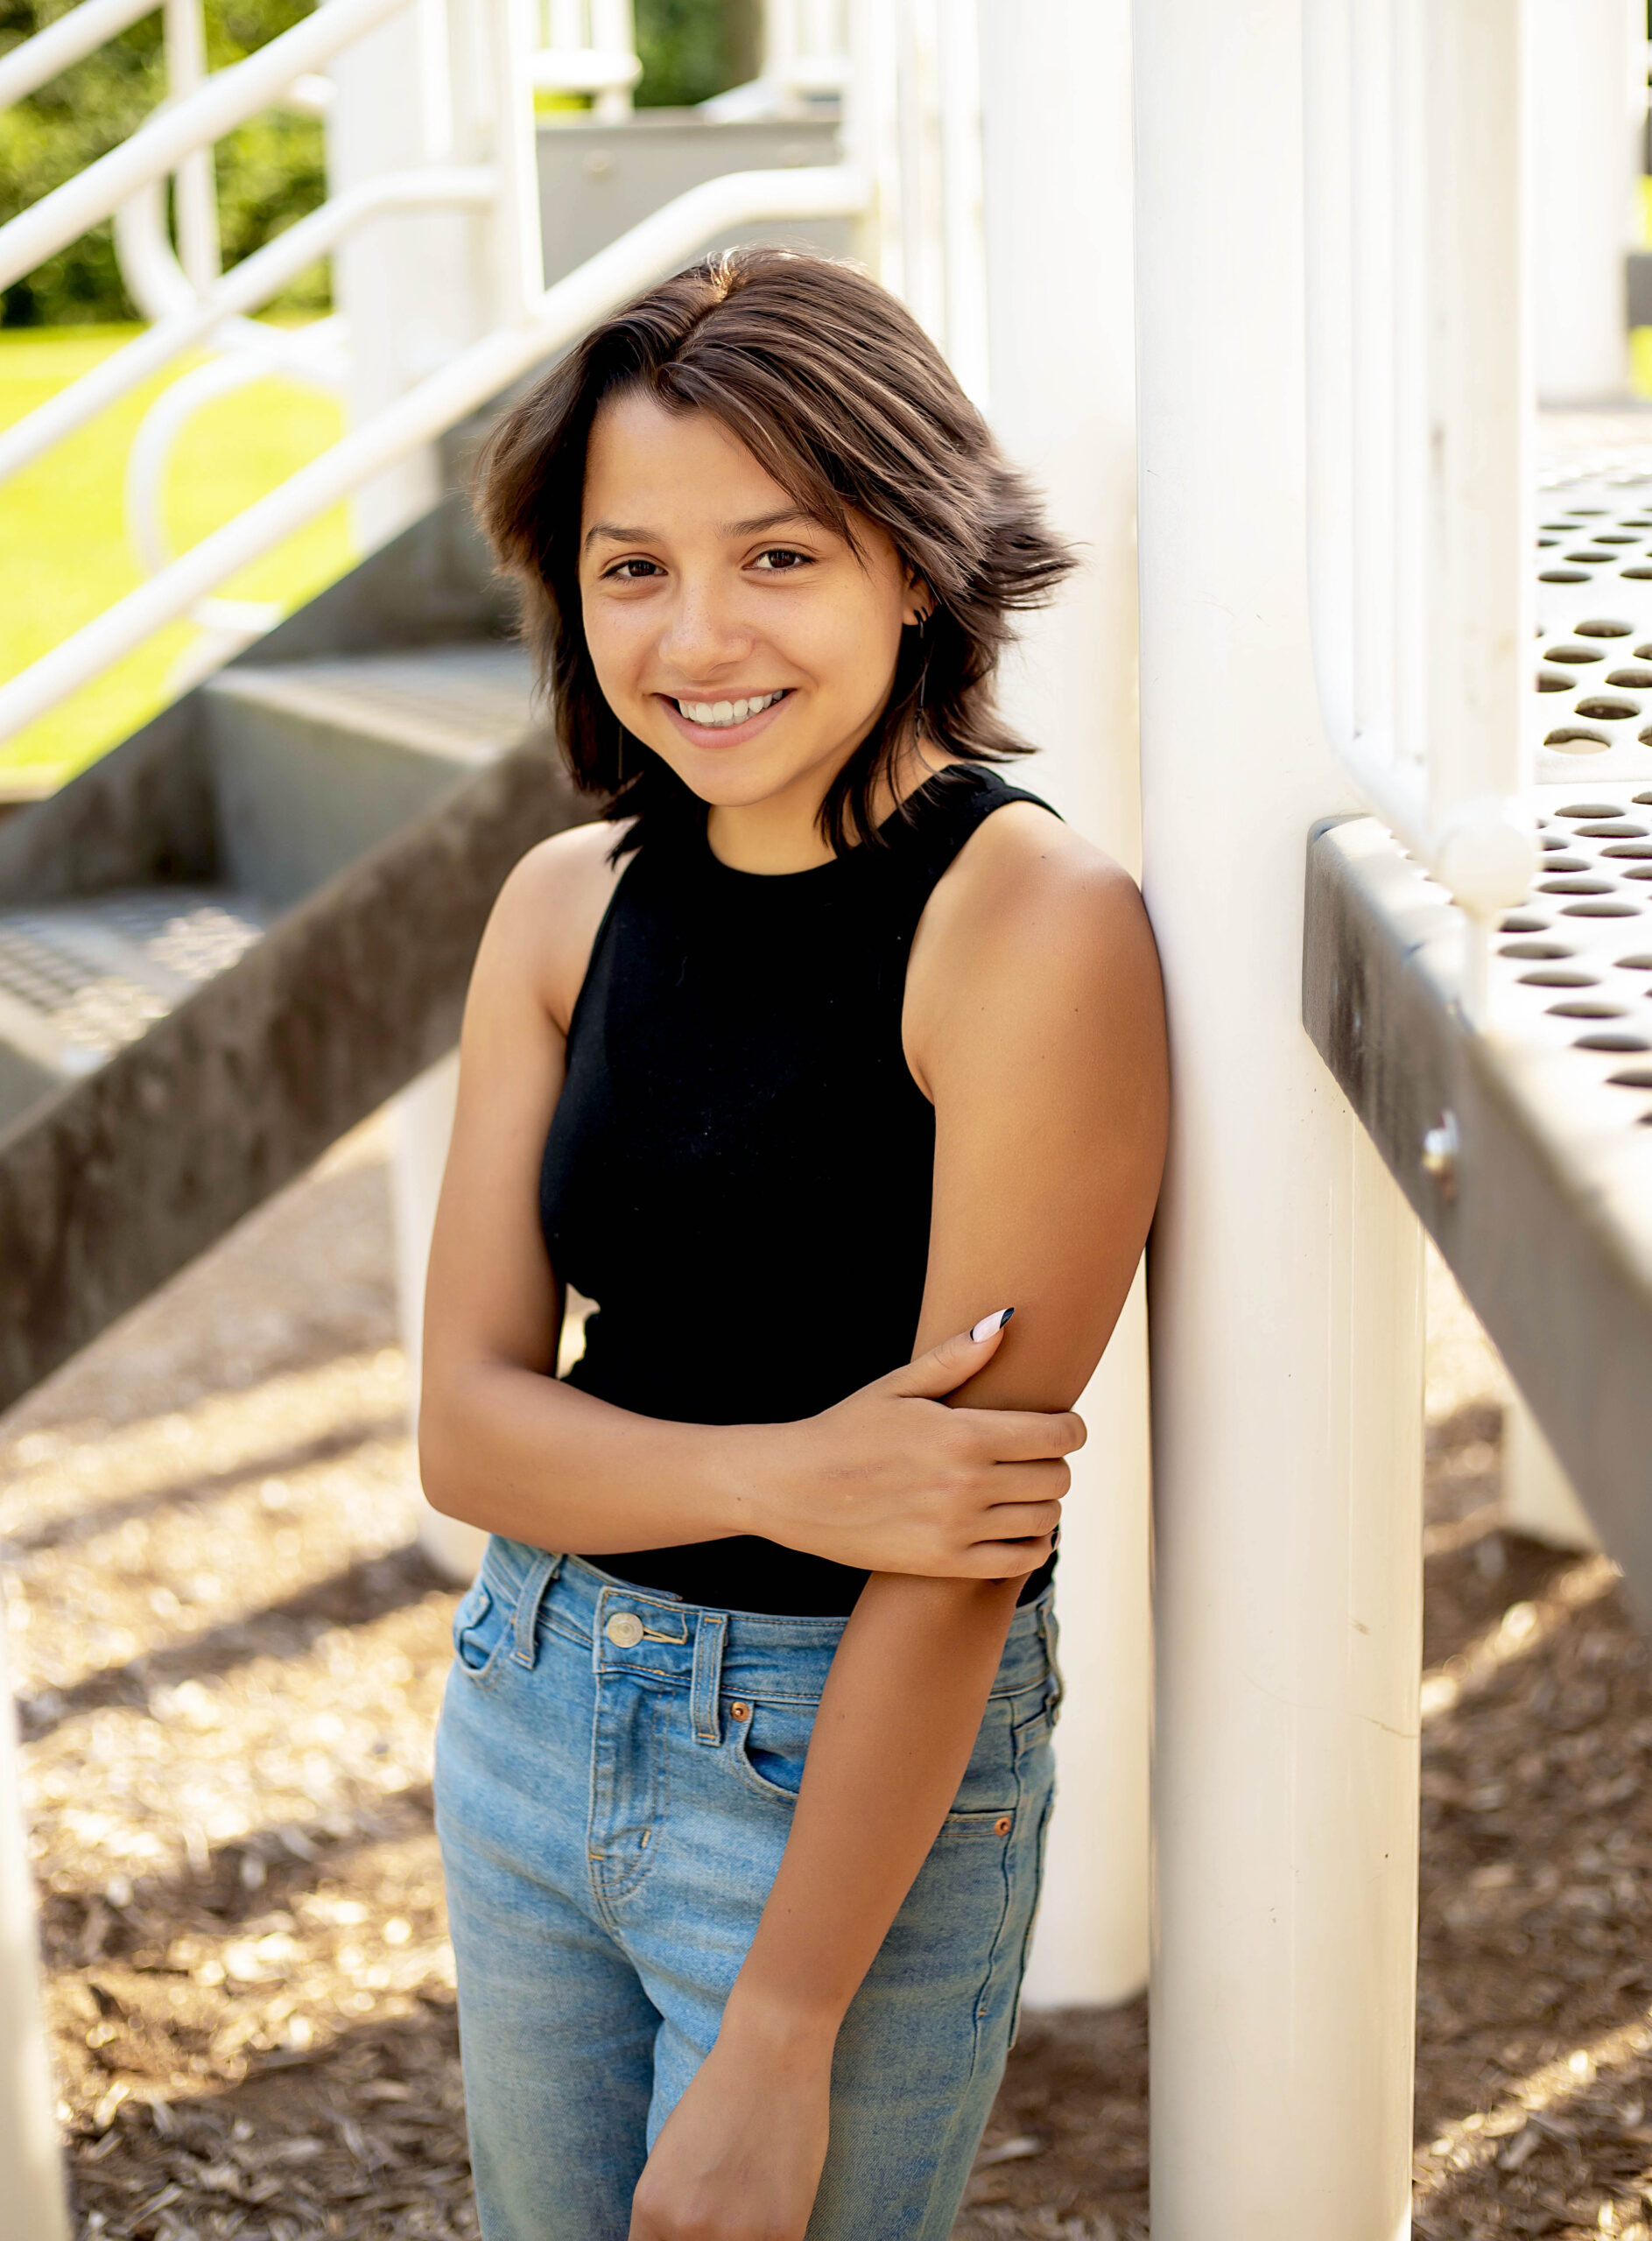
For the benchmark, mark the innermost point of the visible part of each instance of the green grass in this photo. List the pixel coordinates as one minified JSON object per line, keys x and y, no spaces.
{"x":63,"y":552}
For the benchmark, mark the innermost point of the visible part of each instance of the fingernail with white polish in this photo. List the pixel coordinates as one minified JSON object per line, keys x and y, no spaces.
{"x":989,"y":1324}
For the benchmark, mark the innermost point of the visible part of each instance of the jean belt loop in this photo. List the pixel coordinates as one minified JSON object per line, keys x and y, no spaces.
{"x":541,"y":1572}
{"x":705,"y":1694}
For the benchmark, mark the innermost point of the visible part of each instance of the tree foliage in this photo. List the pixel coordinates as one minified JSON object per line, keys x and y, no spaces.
{"x":270,"y":172}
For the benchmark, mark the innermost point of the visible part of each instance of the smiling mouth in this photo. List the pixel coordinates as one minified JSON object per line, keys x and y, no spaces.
{"x":720,"y":715}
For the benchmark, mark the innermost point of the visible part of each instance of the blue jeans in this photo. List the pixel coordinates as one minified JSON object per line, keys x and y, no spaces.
{"x":615,"y":1772}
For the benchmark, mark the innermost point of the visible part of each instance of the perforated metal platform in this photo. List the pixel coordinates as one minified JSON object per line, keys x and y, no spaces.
{"x":1526,"y":1147}
{"x":78,"y":979}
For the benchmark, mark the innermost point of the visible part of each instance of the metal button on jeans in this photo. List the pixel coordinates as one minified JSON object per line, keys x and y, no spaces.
{"x":624,"y":1629}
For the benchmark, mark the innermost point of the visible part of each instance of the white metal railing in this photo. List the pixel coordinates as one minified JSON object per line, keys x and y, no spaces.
{"x":646,"y":253}
{"x":912,"y":176}
{"x":589,"y":49}
{"x":1417,"y":424}
{"x":806,"y":55}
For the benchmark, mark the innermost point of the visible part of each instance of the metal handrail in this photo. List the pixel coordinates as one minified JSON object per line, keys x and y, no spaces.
{"x":645,"y":253}
{"x":252,"y":282}
{"x":34,"y":61}
{"x":226,"y":100}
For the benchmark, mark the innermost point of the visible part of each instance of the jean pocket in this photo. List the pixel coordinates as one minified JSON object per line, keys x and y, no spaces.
{"x":768,"y":1746}
{"x":481,"y":1625}
{"x":1033,"y":1721}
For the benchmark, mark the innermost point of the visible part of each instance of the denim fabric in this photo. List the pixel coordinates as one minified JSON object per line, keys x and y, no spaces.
{"x":611,"y":1818}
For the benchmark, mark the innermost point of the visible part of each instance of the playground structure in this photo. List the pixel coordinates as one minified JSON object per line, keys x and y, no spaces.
{"x":274,"y":888}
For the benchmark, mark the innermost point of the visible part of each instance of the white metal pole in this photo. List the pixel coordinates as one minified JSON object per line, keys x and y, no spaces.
{"x":413,"y":290}
{"x":31,"y":2200}
{"x":194,"y":182}
{"x":613,"y":33}
{"x":1056,"y":119}
{"x":1285,"y":1271}
{"x":1588,"y":75}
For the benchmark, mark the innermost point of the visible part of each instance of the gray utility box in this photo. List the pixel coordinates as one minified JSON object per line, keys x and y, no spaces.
{"x":597,"y":180}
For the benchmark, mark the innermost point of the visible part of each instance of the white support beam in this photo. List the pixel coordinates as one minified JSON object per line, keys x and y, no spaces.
{"x":1055,"y":90}
{"x":1588,"y":81}
{"x":1286,"y":1272}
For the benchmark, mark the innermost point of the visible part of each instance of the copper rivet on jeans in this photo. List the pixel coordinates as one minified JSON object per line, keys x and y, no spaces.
{"x":1003,"y":1824}
{"x":740,"y":1711}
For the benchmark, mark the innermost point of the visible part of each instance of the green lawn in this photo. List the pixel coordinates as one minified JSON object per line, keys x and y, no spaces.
{"x":63,"y":550}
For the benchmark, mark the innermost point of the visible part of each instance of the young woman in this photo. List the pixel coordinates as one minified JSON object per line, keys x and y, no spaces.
{"x":820,"y":1058}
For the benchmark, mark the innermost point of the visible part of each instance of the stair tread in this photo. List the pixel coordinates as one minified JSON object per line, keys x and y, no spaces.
{"x":80,"y":979}
{"x":468,"y":701}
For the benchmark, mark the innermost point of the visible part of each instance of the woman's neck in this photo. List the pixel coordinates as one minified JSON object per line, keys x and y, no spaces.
{"x":782,"y":832}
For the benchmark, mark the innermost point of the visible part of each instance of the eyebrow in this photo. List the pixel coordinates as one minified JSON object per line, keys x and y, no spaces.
{"x":614,"y":533}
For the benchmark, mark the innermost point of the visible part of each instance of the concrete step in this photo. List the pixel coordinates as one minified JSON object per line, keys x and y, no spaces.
{"x":232,"y":939}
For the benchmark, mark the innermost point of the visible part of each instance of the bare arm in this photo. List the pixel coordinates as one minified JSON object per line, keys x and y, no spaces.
{"x":879,"y":1479}
{"x":1034,"y":1019}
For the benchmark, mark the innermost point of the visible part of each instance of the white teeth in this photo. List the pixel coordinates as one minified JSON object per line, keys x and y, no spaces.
{"x":719,"y":714}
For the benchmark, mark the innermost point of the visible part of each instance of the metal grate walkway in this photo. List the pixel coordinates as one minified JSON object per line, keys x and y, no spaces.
{"x":1527,"y":1148}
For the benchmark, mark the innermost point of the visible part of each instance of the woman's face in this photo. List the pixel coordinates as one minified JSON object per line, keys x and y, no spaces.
{"x":747,"y":644}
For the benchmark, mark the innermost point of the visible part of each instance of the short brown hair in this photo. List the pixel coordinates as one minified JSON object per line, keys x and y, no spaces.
{"x":836,"y":391}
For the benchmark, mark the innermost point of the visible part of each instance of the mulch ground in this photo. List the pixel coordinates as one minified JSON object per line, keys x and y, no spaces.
{"x":229,"y":1654}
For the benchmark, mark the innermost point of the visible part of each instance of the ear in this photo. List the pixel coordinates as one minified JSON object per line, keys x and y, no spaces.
{"x":920,"y":601}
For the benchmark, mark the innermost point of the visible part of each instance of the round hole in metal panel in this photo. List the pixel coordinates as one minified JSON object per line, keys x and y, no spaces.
{"x":1613,"y":536}
{"x":1534,"y":949}
{"x":1522,"y":922}
{"x":1637,"y":871}
{"x":1572,"y":739}
{"x":1585,"y":513}
{"x":1641,"y":848}
{"x":1639,"y":574}
{"x":1564,"y":576}
{"x":1631,"y":680}
{"x":1604,"y":627}
{"x":1543,"y":542}
{"x":1589,"y":809}
{"x":1575,"y":655}
{"x":1586,"y":1008}
{"x":1602,"y":711}
{"x":1574,"y":879}
{"x":1555,"y":681}
{"x":1602,"y":910}
{"x":1612,"y":828}
{"x":1556,"y":976}
{"x":1639,"y":963}
{"x":1631,"y":1077}
{"x":1645,"y":799}
{"x":1612,"y":1039}
{"x":1590,"y":559}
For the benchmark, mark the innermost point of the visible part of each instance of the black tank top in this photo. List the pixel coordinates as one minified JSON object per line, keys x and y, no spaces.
{"x":738,"y":1168}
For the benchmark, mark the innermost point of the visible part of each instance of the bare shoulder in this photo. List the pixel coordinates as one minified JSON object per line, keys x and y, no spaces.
{"x":1035,"y":944}
{"x":1027,"y":889}
{"x":548,"y":911}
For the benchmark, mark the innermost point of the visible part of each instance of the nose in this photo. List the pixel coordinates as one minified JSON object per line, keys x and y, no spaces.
{"x":704,"y":636}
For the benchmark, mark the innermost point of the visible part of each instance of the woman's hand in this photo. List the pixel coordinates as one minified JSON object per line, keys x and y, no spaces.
{"x":893,"y":1481}
{"x":739,"y":2157}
